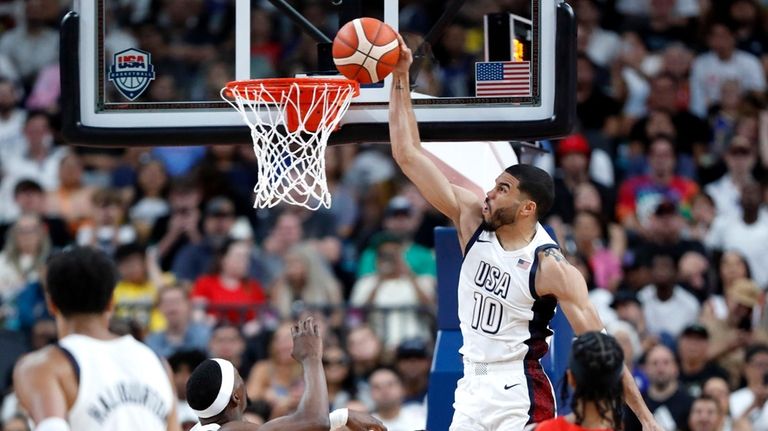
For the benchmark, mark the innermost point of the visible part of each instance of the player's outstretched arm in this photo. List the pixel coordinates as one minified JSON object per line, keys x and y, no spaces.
{"x":558,"y":278}
{"x":39,"y":380}
{"x":447,"y":198}
{"x":312,"y":413}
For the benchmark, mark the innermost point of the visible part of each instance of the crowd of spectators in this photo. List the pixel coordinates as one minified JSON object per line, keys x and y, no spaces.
{"x":661,"y":198}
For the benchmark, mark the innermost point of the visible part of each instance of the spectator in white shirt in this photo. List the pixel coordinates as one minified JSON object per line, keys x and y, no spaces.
{"x":11,"y":121}
{"x":38,"y":160}
{"x":31,"y":46}
{"x":750,"y":402}
{"x":668,"y":308}
{"x":746,"y":233}
{"x":740,"y":159}
{"x":387,"y":393}
{"x":723,"y":62}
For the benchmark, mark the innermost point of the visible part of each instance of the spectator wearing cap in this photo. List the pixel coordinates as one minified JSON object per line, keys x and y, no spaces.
{"x":412,"y":361}
{"x":730,"y":336}
{"x":740,"y":159}
{"x":668,"y":308}
{"x":746,"y":233}
{"x":394,"y":286}
{"x":399,"y":221}
{"x":640,"y":195}
{"x":692,"y":352}
{"x":750,"y":402}
{"x":574,"y":157}
{"x":721,"y":63}
{"x":181,"y":332}
{"x":29,"y":197}
{"x":195,"y":259}
{"x":109,"y":228}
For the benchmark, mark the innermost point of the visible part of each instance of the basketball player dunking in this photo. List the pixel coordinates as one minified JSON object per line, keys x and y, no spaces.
{"x":92,"y":380}
{"x":216,"y":393}
{"x":512,"y":277}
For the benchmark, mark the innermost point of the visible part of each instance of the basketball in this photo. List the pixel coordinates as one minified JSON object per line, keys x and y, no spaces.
{"x":366,"y":50}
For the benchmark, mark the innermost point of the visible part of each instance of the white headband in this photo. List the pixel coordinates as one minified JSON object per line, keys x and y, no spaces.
{"x":225,"y":391}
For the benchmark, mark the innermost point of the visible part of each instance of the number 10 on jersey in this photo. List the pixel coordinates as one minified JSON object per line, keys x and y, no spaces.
{"x":486,"y":313}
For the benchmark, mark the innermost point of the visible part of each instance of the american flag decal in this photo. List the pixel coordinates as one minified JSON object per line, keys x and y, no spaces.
{"x":503,"y":79}
{"x":524,"y":264}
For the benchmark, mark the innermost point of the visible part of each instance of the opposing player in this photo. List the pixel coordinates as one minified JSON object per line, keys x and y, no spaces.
{"x":594,"y":373}
{"x":92,"y":380}
{"x":216,"y":392}
{"x":512,"y":277}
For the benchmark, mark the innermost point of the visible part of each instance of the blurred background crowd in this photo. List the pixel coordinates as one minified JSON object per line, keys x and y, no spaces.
{"x":661,"y":198}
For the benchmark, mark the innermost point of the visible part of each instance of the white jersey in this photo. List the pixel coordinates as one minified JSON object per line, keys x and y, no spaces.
{"x":501,"y":316}
{"x":122,"y":385}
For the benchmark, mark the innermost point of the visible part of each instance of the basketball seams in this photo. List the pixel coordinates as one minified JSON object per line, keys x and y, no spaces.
{"x":376,"y":59}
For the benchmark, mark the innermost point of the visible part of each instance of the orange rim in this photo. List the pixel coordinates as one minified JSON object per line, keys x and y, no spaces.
{"x":274,"y":86}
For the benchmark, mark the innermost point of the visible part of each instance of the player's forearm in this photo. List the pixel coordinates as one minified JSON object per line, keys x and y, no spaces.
{"x":634,"y":399}
{"x":403,"y":129}
{"x":314,"y":402}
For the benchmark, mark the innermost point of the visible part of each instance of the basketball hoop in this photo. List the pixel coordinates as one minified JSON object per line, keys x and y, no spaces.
{"x":291,"y":120}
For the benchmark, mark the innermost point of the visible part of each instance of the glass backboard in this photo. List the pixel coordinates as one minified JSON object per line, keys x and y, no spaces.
{"x":143,"y":72}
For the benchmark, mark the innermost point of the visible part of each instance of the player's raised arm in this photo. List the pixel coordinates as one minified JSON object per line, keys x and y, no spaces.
{"x":558,"y":278}
{"x":453,"y":201}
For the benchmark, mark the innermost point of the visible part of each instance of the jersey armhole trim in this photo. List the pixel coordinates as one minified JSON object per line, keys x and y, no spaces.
{"x":472,"y":240}
{"x":72,"y":360}
{"x":535,"y":267}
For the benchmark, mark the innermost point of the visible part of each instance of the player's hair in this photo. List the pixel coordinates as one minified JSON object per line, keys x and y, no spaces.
{"x":203,"y":385}
{"x":80,"y":280}
{"x":597,"y":363}
{"x":537,"y":184}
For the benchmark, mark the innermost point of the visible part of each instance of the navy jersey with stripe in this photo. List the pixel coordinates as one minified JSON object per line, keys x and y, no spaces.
{"x":500,"y":315}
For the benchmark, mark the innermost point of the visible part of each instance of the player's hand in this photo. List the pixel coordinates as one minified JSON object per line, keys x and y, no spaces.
{"x":307,"y":343}
{"x":359,"y":421}
{"x":406,"y":57}
{"x":652,"y":425}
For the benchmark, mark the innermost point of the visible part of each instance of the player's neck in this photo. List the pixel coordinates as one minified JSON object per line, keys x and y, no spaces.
{"x":591,"y":417}
{"x":516,"y":235}
{"x":91,"y":325}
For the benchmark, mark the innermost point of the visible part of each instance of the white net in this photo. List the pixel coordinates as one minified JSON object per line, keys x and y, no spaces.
{"x":290,"y":125}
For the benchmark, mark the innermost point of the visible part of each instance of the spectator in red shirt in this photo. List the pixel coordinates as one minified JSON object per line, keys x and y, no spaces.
{"x":639,"y":196}
{"x":228,"y":285}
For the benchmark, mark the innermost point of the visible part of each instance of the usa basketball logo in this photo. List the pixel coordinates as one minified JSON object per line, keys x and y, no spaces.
{"x":131,"y":72}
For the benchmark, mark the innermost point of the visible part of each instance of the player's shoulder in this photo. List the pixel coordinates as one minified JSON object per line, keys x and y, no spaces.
{"x":554,"y":272}
{"x":48,"y":360}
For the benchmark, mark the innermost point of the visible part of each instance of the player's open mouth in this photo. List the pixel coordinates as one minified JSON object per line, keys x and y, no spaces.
{"x":486,"y":207}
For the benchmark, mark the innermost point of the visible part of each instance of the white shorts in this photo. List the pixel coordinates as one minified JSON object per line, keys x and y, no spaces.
{"x":502,"y":396}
